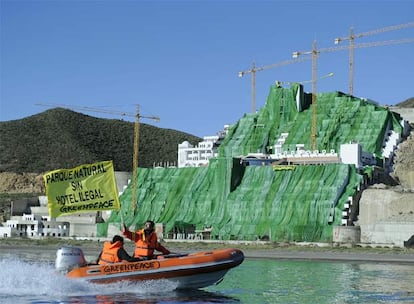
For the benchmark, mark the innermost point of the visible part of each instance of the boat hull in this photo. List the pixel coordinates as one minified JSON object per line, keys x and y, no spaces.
{"x":190,"y":271}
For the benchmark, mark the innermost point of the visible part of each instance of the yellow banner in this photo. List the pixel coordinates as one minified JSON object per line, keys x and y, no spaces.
{"x":86,"y":188}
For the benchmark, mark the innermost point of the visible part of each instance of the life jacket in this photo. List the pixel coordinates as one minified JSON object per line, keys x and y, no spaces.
{"x":145,"y":246}
{"x":110,"y":253}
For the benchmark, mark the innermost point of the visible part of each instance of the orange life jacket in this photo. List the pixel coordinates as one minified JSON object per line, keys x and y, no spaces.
{"x":145,"y":246}
{"x":110,"y":253}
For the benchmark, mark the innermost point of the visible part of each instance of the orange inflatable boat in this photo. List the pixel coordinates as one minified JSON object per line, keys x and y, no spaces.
{"x":189,"y":271}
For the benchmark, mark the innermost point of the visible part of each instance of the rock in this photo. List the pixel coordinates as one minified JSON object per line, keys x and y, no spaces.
{"x":404,"y":163}
{"x":410,"y":242}
{"x":21,"y":183}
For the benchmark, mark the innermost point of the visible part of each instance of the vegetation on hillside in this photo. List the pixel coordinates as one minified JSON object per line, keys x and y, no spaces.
{"x":61,"y":138}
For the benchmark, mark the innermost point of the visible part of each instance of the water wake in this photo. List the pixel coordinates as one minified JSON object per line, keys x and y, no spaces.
{"x":38,"y":280}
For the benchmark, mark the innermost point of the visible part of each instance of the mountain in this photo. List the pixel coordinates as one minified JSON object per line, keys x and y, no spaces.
{"x":61,"y":138}
{"x":409,"y":103}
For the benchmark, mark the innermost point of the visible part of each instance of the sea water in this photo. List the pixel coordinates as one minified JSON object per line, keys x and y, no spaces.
{"x":33,"y":279}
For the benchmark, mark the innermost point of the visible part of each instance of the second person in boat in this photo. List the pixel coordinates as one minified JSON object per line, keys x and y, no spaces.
{"x":146,"y":241}
{"x":114,"y":252}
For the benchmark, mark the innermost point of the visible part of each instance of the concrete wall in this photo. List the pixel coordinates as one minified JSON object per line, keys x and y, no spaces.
{"x":394,"y":233}
{"x":406,"y":113}
{"x":386,"y":216}
{"x":122,"y":179}
{"x":82,"y":230}
{"x":113,"y":229}
{"x":347,"y":234}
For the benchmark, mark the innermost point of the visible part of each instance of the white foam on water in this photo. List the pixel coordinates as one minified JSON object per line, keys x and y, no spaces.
{"x":20,"y":278}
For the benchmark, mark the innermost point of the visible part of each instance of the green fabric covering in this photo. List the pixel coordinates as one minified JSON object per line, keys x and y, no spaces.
{"x":300,"y":203}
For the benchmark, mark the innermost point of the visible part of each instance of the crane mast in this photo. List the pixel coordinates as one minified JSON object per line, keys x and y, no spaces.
{"x":314,"y":76}
{"x":352,"y":36}
{"x":351,"y":62}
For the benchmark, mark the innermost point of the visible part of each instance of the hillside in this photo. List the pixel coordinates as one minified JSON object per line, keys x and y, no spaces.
{"x":61,"y":138}
{"x":21,"y":169}
{"x":409,"y":103}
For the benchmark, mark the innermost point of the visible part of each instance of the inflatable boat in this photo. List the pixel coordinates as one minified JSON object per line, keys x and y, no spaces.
{"x":188,"y":271}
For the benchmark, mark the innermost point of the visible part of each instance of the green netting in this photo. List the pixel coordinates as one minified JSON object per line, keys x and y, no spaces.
{"x":280,"y":205}
{"x":253,"y":202}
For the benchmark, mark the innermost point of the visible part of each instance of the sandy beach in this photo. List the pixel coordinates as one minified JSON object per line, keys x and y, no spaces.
{"x":308,"y":252}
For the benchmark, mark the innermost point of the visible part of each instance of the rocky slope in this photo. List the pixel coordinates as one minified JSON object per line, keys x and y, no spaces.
{"x":21,"y":183}
{"x":404,"y":163}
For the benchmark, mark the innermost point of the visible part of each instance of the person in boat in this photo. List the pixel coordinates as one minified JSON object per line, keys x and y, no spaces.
{"x":146,"y":241}
{"x":114,"y":252}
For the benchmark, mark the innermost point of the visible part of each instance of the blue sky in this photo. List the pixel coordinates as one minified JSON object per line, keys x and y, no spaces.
{"x":179,"y":60}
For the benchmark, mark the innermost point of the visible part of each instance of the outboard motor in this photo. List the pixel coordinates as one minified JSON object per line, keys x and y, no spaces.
{"x":68,"y":258}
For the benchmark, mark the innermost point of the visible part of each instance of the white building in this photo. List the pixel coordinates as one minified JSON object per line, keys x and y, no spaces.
{"x":36,"y":224}
{"x":198,"y":156}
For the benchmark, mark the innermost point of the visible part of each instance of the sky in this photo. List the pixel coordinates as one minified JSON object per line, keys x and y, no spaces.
{"x":179,"y":60}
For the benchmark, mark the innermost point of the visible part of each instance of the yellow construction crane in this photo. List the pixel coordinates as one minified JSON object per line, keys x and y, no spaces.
{"x":255,"y":69}
{"x":137,"y":117}
{"x":352,"y":36}
{"x":315,"y":53}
